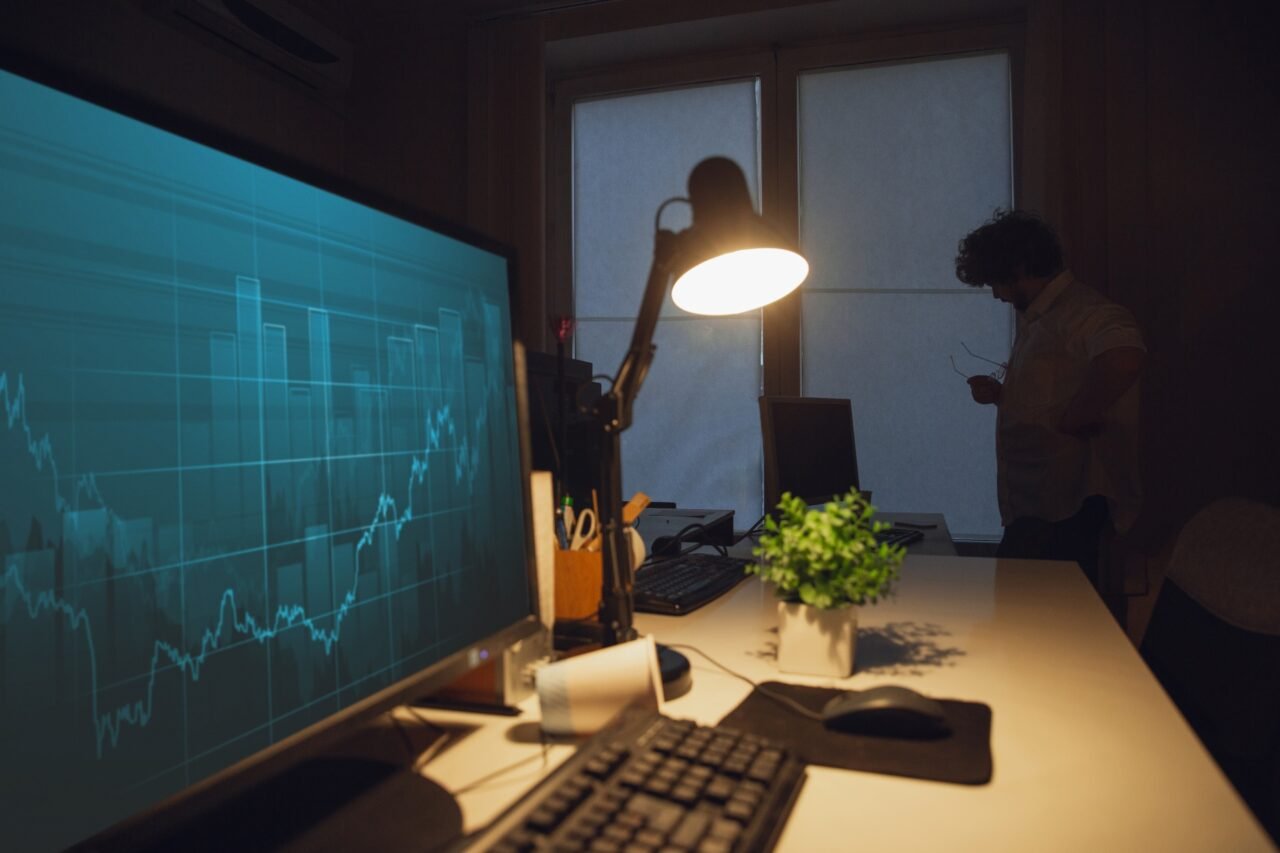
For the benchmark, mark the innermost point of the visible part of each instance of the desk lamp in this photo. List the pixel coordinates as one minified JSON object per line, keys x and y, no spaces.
{"x":727,"y":262}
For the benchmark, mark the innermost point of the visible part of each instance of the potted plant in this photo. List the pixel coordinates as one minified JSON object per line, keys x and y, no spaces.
{"x":824,"y":563}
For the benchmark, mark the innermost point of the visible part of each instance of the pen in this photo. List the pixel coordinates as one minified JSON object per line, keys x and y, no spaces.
{"x":567,"y":506}
{"x":562,"y":532}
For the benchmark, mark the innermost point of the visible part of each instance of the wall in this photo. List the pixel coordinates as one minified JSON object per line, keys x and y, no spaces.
{"x":506,"y":181}
{"x":1193,"y":108}
{"x":399,"y":131}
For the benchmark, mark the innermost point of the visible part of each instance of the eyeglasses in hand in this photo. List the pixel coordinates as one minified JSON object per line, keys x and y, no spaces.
{"x":997,"y":374}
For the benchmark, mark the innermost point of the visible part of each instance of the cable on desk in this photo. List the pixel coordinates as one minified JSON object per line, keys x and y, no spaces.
{"x":777,"y":697}
{"x":751,"y":531}
{"x":435,"y":746}
{"x":542,"y":738}
{"x":404,"y":736}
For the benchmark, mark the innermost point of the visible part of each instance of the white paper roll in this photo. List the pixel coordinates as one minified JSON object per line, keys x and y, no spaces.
{"x":637,"y":547}
{"x":542,"y":495}
{"x":581,"y":694}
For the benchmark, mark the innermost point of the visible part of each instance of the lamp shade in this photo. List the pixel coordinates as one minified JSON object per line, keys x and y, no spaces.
{"x":730,"y":260}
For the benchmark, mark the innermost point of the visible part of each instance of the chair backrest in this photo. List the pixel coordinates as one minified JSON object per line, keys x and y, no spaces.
{"x":1214,"y":643}
{"x":1227,"y":559}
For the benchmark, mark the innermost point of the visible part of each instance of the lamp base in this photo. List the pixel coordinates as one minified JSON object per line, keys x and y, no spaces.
{"x":677,"y":679}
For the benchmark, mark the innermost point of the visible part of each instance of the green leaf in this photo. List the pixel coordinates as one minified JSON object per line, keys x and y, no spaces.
{"x":827,"y":557}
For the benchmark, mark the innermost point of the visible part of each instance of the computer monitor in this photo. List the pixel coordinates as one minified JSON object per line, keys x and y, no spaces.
{"x":262,"y":470}
{"x":809,"y":448}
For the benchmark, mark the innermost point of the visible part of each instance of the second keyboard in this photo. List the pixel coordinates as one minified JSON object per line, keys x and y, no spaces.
{"x":680,"y":585}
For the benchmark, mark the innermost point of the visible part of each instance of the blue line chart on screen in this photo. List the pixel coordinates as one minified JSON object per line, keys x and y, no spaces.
{"x":441,"y":431}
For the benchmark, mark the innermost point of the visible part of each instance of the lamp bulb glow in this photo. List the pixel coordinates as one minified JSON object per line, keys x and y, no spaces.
{"x":739,"y":281}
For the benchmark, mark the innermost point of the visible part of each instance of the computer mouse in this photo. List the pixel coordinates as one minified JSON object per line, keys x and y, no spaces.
{"x":888,"y":710}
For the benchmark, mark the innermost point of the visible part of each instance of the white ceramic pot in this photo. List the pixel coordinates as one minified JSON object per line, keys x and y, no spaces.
{"x":816,"y":642}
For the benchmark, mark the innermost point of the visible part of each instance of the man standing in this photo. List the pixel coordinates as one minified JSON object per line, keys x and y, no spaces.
{"x":1067,"y":409}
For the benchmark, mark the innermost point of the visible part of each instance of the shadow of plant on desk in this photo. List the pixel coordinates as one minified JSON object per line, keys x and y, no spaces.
{"x":904,"y":648}
{"x":770,"y":650}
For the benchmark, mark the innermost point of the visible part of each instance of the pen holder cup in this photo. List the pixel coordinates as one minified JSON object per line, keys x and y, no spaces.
{"x":578,"y":582}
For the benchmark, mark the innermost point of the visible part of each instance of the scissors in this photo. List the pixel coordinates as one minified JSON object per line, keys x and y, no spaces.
{"x":583,"y":530}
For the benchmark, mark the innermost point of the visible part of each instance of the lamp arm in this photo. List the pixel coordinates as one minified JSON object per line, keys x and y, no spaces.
{"x":635,"y":364}
{"x":612,"y":412}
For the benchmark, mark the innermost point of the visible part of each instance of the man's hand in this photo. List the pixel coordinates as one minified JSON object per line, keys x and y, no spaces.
{"x":985,"y":390}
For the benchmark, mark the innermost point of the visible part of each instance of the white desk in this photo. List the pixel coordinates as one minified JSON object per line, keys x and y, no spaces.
{"x":1089,"y":752}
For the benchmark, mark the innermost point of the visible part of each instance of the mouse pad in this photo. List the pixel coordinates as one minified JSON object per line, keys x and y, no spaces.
{"x":962,"y":757}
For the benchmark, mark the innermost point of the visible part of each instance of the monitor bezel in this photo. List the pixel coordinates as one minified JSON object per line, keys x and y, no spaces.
{"x":199,"y":798}
{"x":769,"y":439}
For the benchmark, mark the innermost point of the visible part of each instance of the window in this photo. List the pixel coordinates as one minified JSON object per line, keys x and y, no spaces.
{"x":695,"y":438}
{"x":880,"y":155}
{"x":896,"y":163}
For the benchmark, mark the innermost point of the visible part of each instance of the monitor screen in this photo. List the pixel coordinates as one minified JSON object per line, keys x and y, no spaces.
{"x":260,"y":465}
{"x":808,"y":448}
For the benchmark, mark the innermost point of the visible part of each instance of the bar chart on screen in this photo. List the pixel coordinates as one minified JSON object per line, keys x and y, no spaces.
{"x":251,"y":436}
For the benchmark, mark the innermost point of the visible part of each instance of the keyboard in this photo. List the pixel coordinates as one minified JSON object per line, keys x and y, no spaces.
{"x":899,"y":535}
{"x":651,"y":783}
{"x":680,"y":585}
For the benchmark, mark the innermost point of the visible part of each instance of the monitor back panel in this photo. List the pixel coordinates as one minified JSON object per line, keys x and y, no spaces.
{"x":809,"y":448}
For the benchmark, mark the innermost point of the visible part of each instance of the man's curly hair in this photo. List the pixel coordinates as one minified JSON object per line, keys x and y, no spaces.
{"x":1012,"y":242}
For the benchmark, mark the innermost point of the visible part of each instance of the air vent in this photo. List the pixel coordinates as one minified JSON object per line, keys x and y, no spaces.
{"x":271,"y":32}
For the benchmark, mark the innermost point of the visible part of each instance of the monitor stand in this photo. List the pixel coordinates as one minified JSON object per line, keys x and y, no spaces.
{"x":339,"y":801}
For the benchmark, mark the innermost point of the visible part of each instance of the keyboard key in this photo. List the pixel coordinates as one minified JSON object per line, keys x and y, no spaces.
{"x":690,"y":830}
{"x":666,"y":743}
{"x":544,"y":819}
{"x":720,"y":788}
{"x":712,"y":757}
{"x":662,"y":815}
{"x":725,"y":828}
{"x":599,"y":768}
{"x":631,"y":777}
{"x":653,"y":837}
{"x":658,"y":785}
{"x":686,"y":795}
{"x":521,"y":839}
{"x":616,"y":832}
{"x":613,"y":799}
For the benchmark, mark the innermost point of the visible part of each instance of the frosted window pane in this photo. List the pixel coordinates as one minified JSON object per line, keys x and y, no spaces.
{"x":696,"y":435}
{"x":923,"y":444}
{"x":632,"y":153}
{"x":897,"y":163}
{"x":695,"y":438}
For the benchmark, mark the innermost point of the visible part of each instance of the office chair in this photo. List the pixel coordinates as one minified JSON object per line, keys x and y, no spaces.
{"x":1214,"y":643}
